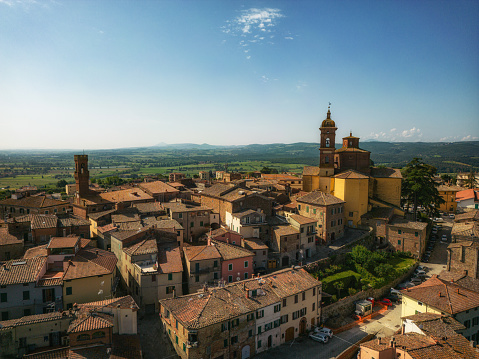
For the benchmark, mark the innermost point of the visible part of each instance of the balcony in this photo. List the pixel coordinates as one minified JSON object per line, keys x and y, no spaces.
{"x":203,"y":270}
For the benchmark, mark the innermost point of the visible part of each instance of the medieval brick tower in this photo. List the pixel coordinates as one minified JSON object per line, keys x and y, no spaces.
{"x":82,"y":175}
{"x":327,"y":146}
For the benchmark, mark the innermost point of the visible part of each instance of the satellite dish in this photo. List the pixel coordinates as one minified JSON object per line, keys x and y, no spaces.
{"x":238,"y":278}
{"x":100,"y":292}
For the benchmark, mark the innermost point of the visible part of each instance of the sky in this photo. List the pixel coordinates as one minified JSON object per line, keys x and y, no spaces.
{"x":114,"y":74}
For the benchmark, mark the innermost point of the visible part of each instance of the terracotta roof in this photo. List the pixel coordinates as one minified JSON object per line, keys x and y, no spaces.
{"x":245,"y":212}
{"x":146,"y":246}
{"x":351,"y":174}
{"x":39,"y":251}
{"x":34,"y":202}
{"x":98,"y":351}
{"x":254,"y":244}
{"x":64,"y":242}
{"x":468,"y":229}
{"x":405,"y":223}
{"x":50,"y":282}
{"x":217,"y":189}
{"x":106,"y":228}
{"x":285,"y":230}
{"x":467,"y":194}
{"x":445,"y":188}
{"x":125,"y":195}
{"x":7,"y":238}
{"x":407,"y":340}
{"x":129,"y":226}
{"x":443,"y":295}
{"x":436,"y":325}
{"x":124,"y":303}
{"x":32,"y":319}
{"x":163,"y":223}
{"x":21,"y":219}
{"x":91,"y":321}
{"x":125,"y":217}
{"x":169,"y":261}
{"x":468,"y":216}
{"x":310,"y":171}
{"x":221,"y":232}
{"x":60,"y":353}
{"x":230,"y":251}
{"x":21,"y":270}
{"x":279,"y":177}
{"x":158,"y":187}
{"x":44,"y":221}
{"x":198,"y":253}
{"x":72,"y":221}
{"x":302,"y":219}
{"x":199,"y":310}
{"x":87,"y":263}
{"x":149,"y":207}
{"x":96,"y":216}
{"x":385,"y":172}
{"x":319,"y":198}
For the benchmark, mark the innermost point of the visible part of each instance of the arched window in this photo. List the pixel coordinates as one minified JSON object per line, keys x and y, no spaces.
{"x":83,"y":337}
{"x":97,"y":335}
{"x":326,"y":159}
{"x":327,"y":142}
{"x":82,"y":168}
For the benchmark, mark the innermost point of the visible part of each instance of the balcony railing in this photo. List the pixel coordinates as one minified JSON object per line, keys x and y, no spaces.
{"x":204,"y":270}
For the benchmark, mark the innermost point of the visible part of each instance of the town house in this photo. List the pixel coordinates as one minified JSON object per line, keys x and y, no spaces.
{"x":307,"y":233}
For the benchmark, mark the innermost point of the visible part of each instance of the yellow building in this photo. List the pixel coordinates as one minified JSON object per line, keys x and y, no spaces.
{"x":346,"y":173}
{"x":352,"y":187}
{"x":448,"y":194}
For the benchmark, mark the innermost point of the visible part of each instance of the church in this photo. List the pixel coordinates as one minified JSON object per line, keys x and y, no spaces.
{"x":347,"y":173}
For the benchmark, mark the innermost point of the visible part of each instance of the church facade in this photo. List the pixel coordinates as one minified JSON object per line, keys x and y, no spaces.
{"x":347,"y":174}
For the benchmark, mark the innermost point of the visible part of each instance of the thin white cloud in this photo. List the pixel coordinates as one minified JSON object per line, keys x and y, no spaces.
{"x":253,"y":25}
{"x":469,"y":138}
{"x":392,"y":130}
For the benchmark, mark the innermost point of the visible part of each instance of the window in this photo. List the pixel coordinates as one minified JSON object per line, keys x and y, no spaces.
{"x":399,"y":242}
{"x":399,"y":231}
{"x":277,"y":323}
{"x":153,"y":277}
{"x":201,"y":223}
{"x":246,"y":275}
{"x":277,"y":308}
{"x":259,"y":344}
{"x":250,"y":333}
{"x":197,"y":278}
{"x":215,"y":264}
{"x":307,"y":209}
{"x":98,"y":335}
{"x":416,"y":234}
{"x":259,"y":330}
{"x":467,"y":324}
{"x":234,"y":340}
{"x":284,"y":319}
{"x":176,"y":339}
{"x":246,"y":264}
{"x":170,"y":289}
{"x":351,"y":214}
{"x":3,"y":298}
{"x":304,"y":295}
{"x":475,"y":321}
{"x":284,"y":302}
{"x":27,"y":312}
{"x":180,"y":215}
{"x":299,"y":207}
{"x":234,"y":323}
{"x":314,"y":292}
{"x":230,"y":266}
{"x":225,"y":343}
{"x":296,"y":298}
{"x":250,"y":317}
{"x":230,"y":279}
{"x":170,"y":276}
{"x":225,"y":326}
{"x":192,"y":224}
{"x":215,"y":275}
{"x":184,"y":347}
{"x":313,"y":307}
{"x":4,"y":315}
{"x":26,"y":295}
{"x":176,"y":324}
{"x":259,"y":314}
{"x":83,"y":337}
{"x":314,"y":210}
{"x":69,"y":291}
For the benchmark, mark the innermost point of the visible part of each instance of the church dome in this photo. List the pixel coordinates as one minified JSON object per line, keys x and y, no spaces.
{"x":328,"y":122}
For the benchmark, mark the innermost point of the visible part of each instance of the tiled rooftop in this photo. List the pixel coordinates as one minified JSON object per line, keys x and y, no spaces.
{"x":254,"y":244}
{"x":158,"y":187}
{"x":443,"y":295}
{"x":319,"y":198}
{"x":311,"y":171}
{"x":351,"y":174}
{"x":385,"y":172}
{"x":198,"y":253}
{"x":21,"y":270}
{"x":230,"y":251}
{"x":217,"y":305}
{"x":302,"y":219}
{"x":44,"y":221}
{"x":7,"y":238}
{"x":406,"y":223}
{"x":125,"y":195}
{"x":145,"y":246}
{"x":169,"y":261}
{"x":90,"y":262}
{"x":33,"y":202}
{"x":32,"y":319}
{"x":285,"y":231}
{"x":64,"y":242}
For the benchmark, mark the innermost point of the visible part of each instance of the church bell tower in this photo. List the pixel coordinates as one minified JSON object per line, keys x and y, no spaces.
{"x":327,"y":146}
{"x":82,"y":175}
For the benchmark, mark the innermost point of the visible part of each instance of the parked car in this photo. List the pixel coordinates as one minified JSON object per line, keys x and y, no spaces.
{"x":419,"y":272}
{"x":438,"y":219}
{"x":444,"y":238}
{"x":416,"y":280}
{"x":394,"y":298}
{"x":325,"y":331}
{"x":406,"y":285}
{"x":319,"y":337}
{"x":452,"y":216}
{"x":386,"y":301}
{"x":395,"y":292}
{"x":434,"y":230}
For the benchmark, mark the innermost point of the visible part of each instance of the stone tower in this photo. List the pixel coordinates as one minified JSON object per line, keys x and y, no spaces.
{"x":327,"y":146}
{"x":82,"y":175}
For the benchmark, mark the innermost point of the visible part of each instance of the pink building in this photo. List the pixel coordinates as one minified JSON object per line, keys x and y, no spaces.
{"x":226,"y":235}
{"x":236,"y":261}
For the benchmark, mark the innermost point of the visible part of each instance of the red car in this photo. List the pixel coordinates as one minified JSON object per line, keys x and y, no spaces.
{"x":386,"y":302}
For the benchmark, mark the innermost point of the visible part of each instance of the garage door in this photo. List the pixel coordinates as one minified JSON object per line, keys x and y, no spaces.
{"x":289,"y":334}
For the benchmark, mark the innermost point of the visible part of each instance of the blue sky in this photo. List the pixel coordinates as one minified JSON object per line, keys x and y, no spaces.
{"x":110,"y":74}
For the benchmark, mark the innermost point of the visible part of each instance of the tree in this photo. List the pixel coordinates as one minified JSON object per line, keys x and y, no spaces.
{"x":471,"y":179}
{"x":61,"y":183}
{"x":419,"y":188}
{"x":339,"y":286}
{"x":267,"y":170}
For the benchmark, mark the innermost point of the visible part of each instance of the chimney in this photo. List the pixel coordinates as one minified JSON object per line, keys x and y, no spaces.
{"x":4,"y":266}
{"x":472,"y":343}
{"x":96,"y":252}
{"x":440,"y":295}
{"x":403,"y":328}
{"x":379,"y":341}
{"x":457,"y":290}
{"x":174,"y":293}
